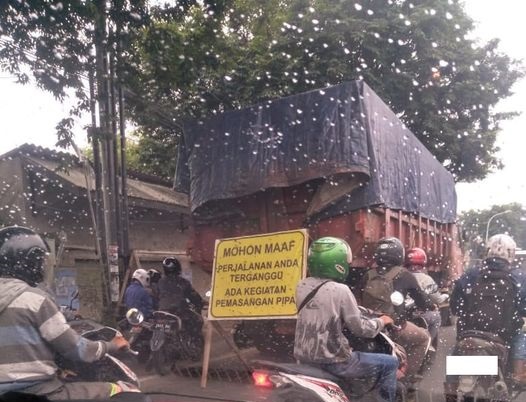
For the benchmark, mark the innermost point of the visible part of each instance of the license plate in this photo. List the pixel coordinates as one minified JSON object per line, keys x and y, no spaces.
{"x":163,"y":326}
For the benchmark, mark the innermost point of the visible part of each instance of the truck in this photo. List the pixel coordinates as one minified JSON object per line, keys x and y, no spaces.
{"x":336,"y":161}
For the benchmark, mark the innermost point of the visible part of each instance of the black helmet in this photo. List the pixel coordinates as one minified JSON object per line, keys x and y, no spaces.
{"x":389,"y":252}
{"x":154,"y":274}
{"x":171,"y":266}
{"x":22,"y":254}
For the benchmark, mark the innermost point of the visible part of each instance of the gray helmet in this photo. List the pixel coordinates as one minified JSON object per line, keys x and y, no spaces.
{"x":22,"y":254}
{"x":501,"y":246}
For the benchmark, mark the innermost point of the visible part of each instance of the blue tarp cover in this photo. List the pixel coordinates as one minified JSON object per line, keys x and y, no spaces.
{"x":344,"y":129}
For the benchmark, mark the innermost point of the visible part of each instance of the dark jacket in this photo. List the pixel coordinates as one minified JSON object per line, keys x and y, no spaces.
{"x":462,"y":288}
{"x":136,"y":296}
{"x":407,"y":284}
{"x":175,"y":294}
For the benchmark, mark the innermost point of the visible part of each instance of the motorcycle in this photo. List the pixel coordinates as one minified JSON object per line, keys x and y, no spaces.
{"x":107,"y":369}
{"x":169,"y":338}
{"x":499,"y":387}
{"x":405,"y":309}
{"x":295,"y":382}
{"x":417,"y":317}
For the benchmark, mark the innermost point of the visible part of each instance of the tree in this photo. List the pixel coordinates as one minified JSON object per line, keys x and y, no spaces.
{"x":144,"y":155}
{"x":474,"y":224}
{"x":196,"y":58}
{"x":418,"y":56}
{"x":52,"y":44}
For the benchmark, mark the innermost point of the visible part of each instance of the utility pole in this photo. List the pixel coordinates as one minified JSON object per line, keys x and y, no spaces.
{"x":107,"y":162}
{"x":124,"y":207}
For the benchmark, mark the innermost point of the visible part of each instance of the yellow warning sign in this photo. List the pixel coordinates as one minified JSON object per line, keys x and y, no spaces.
{"x":256,"y":276}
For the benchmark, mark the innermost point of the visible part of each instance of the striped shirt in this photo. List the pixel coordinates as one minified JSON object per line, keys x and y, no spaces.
{"x":32,"y":330}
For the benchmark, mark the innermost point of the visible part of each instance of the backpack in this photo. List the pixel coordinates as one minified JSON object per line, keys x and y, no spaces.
{"x":376,"y":294}
{"x":490,"y":303}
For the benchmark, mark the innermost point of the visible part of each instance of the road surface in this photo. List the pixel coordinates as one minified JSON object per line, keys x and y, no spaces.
{"x":232,"y":388}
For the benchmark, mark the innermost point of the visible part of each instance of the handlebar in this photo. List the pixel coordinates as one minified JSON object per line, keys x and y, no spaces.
{"x":376,"y":314}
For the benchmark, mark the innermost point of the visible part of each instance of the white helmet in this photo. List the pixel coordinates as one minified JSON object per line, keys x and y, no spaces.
{"x":501,"y":246}
{"x":142,"y":276}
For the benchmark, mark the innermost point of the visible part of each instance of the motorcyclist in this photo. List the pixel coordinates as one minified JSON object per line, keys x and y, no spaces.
{"x":155,"y":276}
{"x":500,"y":254}
{"x":137,"y":293}
{"x":388,"y":276}
{"x":319,"y":335}
{"x":416,"y":263}
{"x":34,"y":329}
{"x":177,"y":296}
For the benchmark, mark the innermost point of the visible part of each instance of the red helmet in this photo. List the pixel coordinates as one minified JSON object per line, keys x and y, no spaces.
{"x":416,"y":258}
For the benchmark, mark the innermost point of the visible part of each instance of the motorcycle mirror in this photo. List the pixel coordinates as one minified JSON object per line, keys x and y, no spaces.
{"x":134,"y":316}
{"x":397,"y":298}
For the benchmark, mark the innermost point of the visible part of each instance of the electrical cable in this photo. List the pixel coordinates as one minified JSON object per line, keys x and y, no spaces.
{"x":163,"y":116}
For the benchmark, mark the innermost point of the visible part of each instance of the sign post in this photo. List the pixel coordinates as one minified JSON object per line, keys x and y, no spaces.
{"x":255,"y":277}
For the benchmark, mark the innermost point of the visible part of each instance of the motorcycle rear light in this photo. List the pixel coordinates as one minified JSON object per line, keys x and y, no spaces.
{"x":265,"y":379}
{"x":262,"y":379}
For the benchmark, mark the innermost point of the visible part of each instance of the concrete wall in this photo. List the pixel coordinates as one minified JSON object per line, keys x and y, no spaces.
{"x":158,"y":230}
{"x":13,"y":199}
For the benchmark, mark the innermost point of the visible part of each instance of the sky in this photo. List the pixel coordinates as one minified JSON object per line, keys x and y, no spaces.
{"x":29,"y":115}
{"x":502,"y":19}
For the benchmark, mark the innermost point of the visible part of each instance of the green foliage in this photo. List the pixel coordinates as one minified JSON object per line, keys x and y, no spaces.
{"x":146,"y":154}
{"x":151,"y":155}
{"x":474,"y":224}
{"x":417,"y":55}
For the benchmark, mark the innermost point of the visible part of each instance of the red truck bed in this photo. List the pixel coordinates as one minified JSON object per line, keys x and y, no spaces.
{"x":284,"y":209}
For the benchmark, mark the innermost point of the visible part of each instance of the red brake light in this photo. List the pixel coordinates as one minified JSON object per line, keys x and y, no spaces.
{"x":261,"y":379}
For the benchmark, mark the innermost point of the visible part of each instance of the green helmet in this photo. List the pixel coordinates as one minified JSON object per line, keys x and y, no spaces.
{"x":329,"y":257}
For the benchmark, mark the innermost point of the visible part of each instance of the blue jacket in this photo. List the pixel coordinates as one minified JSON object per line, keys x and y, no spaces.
{"x":138,"y":297}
